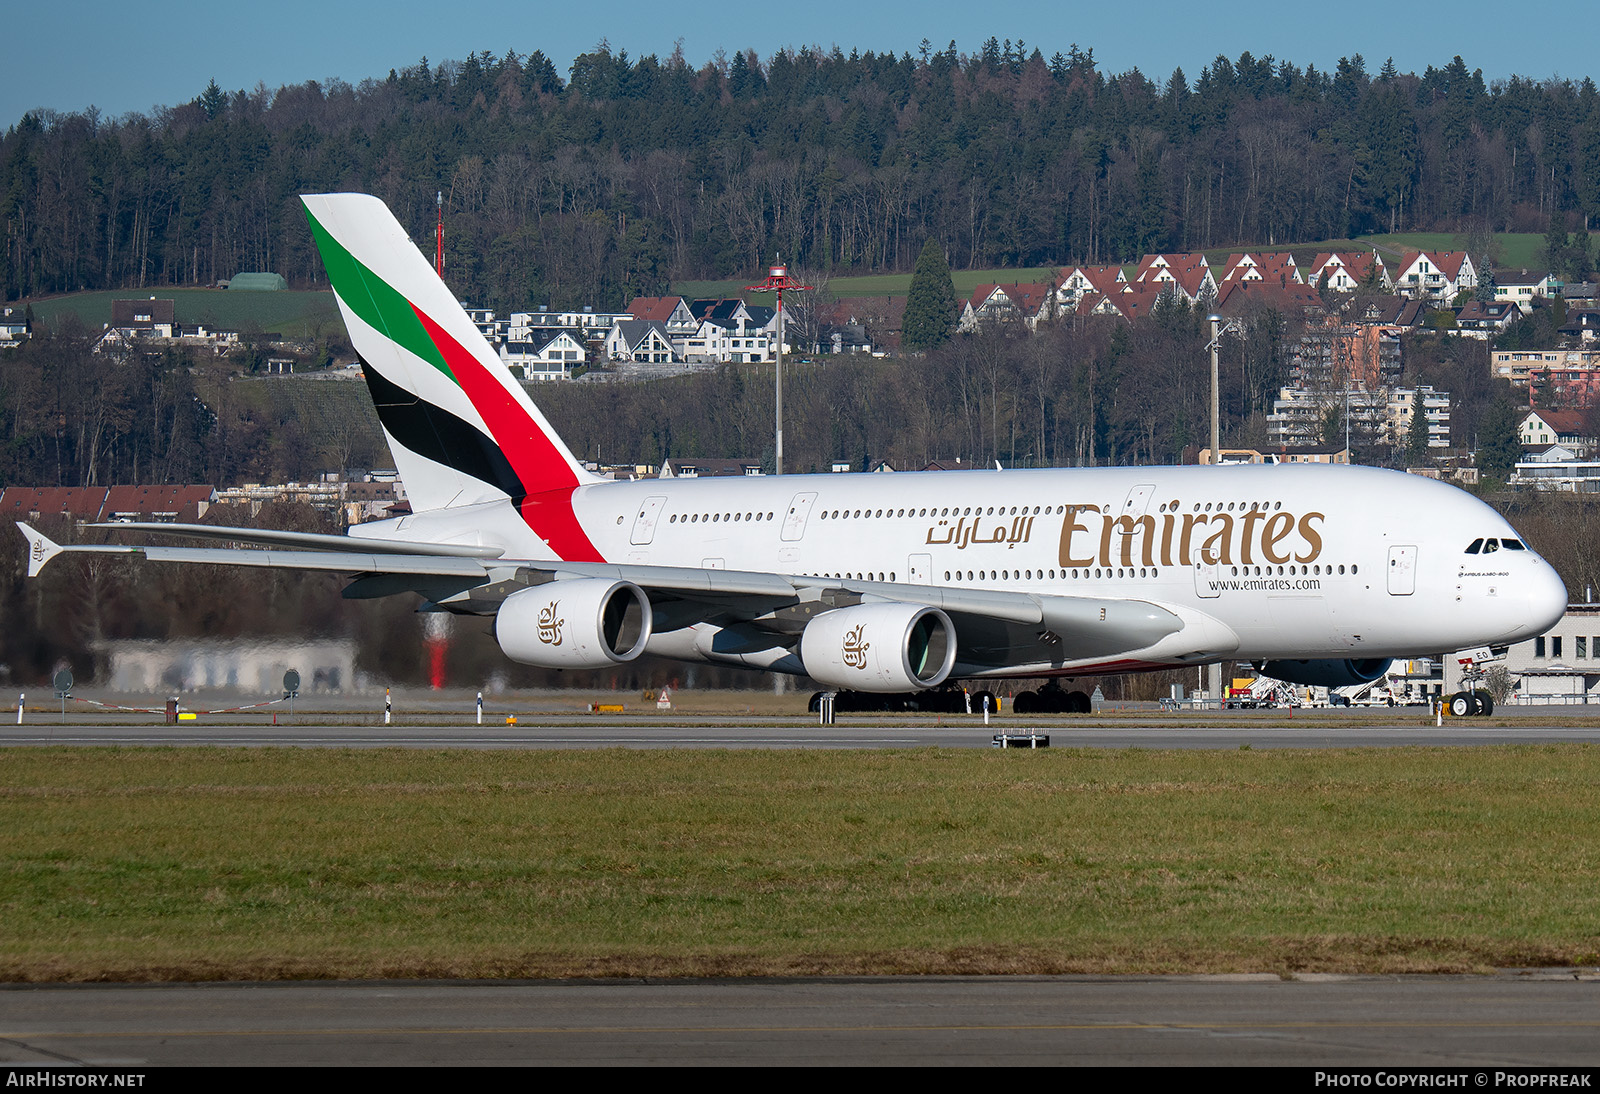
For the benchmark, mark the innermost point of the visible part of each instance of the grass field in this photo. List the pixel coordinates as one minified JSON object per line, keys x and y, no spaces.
{"x":292,"y":314}
{"x":872,"y":285}
{"x":1517,"y":249}
{"x":303,"y":314}
{"x":185,"y":864}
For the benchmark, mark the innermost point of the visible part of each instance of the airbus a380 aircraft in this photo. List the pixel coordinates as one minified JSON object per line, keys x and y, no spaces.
{"x":879,"y":583}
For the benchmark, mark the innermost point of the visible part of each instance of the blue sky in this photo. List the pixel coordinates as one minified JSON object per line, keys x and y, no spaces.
{"x":122,"y":57}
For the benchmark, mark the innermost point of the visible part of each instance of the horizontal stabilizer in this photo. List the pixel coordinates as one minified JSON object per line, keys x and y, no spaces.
{"x":40,"y":548}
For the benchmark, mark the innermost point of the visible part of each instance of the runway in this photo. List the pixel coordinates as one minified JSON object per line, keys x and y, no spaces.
{"x":428,"y":729}
{"x":1547,"y":1019}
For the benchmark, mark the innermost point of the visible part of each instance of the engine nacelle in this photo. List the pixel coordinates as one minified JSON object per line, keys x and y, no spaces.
{"x":585,"y":623}
{"x":879,"y":647}
{"x":1328,"y":673}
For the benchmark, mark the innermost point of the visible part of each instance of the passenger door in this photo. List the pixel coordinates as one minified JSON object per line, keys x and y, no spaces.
{"x":1402,"y":570}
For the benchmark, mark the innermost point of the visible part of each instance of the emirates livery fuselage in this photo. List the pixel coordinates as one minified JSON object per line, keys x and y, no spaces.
{"x":1260,"y":562}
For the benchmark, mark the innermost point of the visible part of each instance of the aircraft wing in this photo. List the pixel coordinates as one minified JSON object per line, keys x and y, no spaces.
{"x":995,"y":628}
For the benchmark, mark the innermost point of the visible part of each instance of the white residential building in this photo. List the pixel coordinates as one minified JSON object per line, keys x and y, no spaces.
{"x":1438,"y":276}
{"x":545,"y":354}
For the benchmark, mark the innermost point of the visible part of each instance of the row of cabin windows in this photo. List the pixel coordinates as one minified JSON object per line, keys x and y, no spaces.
{"x":696,"y":518}
{"x":978,"y":510}
{"x":1097,"y":572}
{"x":1024,"y":510}
{"x":956,"y":511}
{"x":1102,"y":572}
{"x":1581,"y":646}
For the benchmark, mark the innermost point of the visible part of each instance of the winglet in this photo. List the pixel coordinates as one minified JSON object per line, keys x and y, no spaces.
{"x":40,"y":548}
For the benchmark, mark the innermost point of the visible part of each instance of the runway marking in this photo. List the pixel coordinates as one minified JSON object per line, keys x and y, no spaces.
{"x":931,"y":1028}
{"x":461,"y":741}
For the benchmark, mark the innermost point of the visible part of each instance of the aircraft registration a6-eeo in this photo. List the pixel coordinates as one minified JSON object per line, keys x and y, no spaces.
{"x":877,"y":583}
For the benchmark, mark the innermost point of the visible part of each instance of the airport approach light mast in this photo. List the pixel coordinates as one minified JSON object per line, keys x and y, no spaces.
{"x":438,"y":247}
{"x":778,"y":279}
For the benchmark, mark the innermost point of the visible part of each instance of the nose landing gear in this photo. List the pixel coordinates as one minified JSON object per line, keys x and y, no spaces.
{"x":1463,"y":704}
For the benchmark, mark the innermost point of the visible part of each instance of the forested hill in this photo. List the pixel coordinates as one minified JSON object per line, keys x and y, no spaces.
{"x":629,"y":173}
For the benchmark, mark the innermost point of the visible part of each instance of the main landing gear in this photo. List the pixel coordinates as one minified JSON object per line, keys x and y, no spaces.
{"x":1050,"y":699}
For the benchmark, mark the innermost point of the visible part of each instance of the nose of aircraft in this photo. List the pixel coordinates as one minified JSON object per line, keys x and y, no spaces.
{"x":1544,"y":599}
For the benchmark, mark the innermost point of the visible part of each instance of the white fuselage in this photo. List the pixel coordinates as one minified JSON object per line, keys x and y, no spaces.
{"x":1301,"y":561}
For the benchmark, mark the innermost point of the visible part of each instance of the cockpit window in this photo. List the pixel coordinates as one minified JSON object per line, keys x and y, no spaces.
{"x":1490,"y":546}
{"x":1475,"y":546}
{"x":1512,"y":545}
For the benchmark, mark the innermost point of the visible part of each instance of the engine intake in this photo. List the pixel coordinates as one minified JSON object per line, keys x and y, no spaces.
{"x":585,"y":623}
{"x":880,"y":647}
{"x":1329,"y":673}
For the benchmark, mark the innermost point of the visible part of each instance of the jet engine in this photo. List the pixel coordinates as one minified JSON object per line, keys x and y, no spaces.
{"x":879,"y":647}
{"x":1328,"y":673}
{"x":585,"y":623}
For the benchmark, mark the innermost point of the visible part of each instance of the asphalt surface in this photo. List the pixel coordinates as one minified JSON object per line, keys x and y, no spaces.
{"x":432,"y":729}
{"x":1471,"y":1024}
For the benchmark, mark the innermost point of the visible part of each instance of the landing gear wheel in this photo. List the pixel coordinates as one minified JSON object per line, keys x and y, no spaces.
{"x":1461,"y":705}
{"x":1078,"y":702}
{"x":977,"y":702}
{"x":1485,"y":702}
{"x":1052,"y":700}
{"x":1026,"y":702}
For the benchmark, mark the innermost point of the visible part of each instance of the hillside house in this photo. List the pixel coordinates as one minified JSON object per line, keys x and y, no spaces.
{"x":1187,"y":274}
{"x":1435,"y":275}
{"x":641,"y":342}
{"x":1274,"y":266}
{"x":545,"y":354}
{"x":1567,"y":428}
{"x":1522,"y":287}
{"x":1348,"y":271}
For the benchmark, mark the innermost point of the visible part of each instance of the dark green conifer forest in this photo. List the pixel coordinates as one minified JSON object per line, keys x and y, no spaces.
{"x":621,"y":174}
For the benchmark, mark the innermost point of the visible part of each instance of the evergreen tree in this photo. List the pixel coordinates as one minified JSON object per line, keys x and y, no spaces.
{"x":1498,"y":445}
{"x":1555,"y":242}
{"x":931,"y":304}
{"x":1487,"y":287}
{"x":1417,"y":436}
{"x":213,"y":100}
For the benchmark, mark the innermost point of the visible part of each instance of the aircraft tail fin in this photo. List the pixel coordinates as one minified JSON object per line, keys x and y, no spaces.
{"x":461,"y":428}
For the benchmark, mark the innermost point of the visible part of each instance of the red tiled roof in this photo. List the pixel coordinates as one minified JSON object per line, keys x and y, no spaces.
{"x":1446,"y":262}
{"x":1291,"y":295}
{"x":981,"y":295}
{"x":151,"y":500}
{"x":1569,"y":422}
{"x":654,"y":308}
{"x":1355,"y":263}
{"x":82,"y":502}
{"x":1030,"y":299}
{"x":1139,"y":302}
{"x":1188,"y":270}
{"x":1105,"y":279}
{"x":1449,"y":262}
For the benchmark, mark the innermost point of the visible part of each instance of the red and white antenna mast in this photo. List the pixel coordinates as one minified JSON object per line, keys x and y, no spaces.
{"x":778,"y":279}
{"x":438,"y":252}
